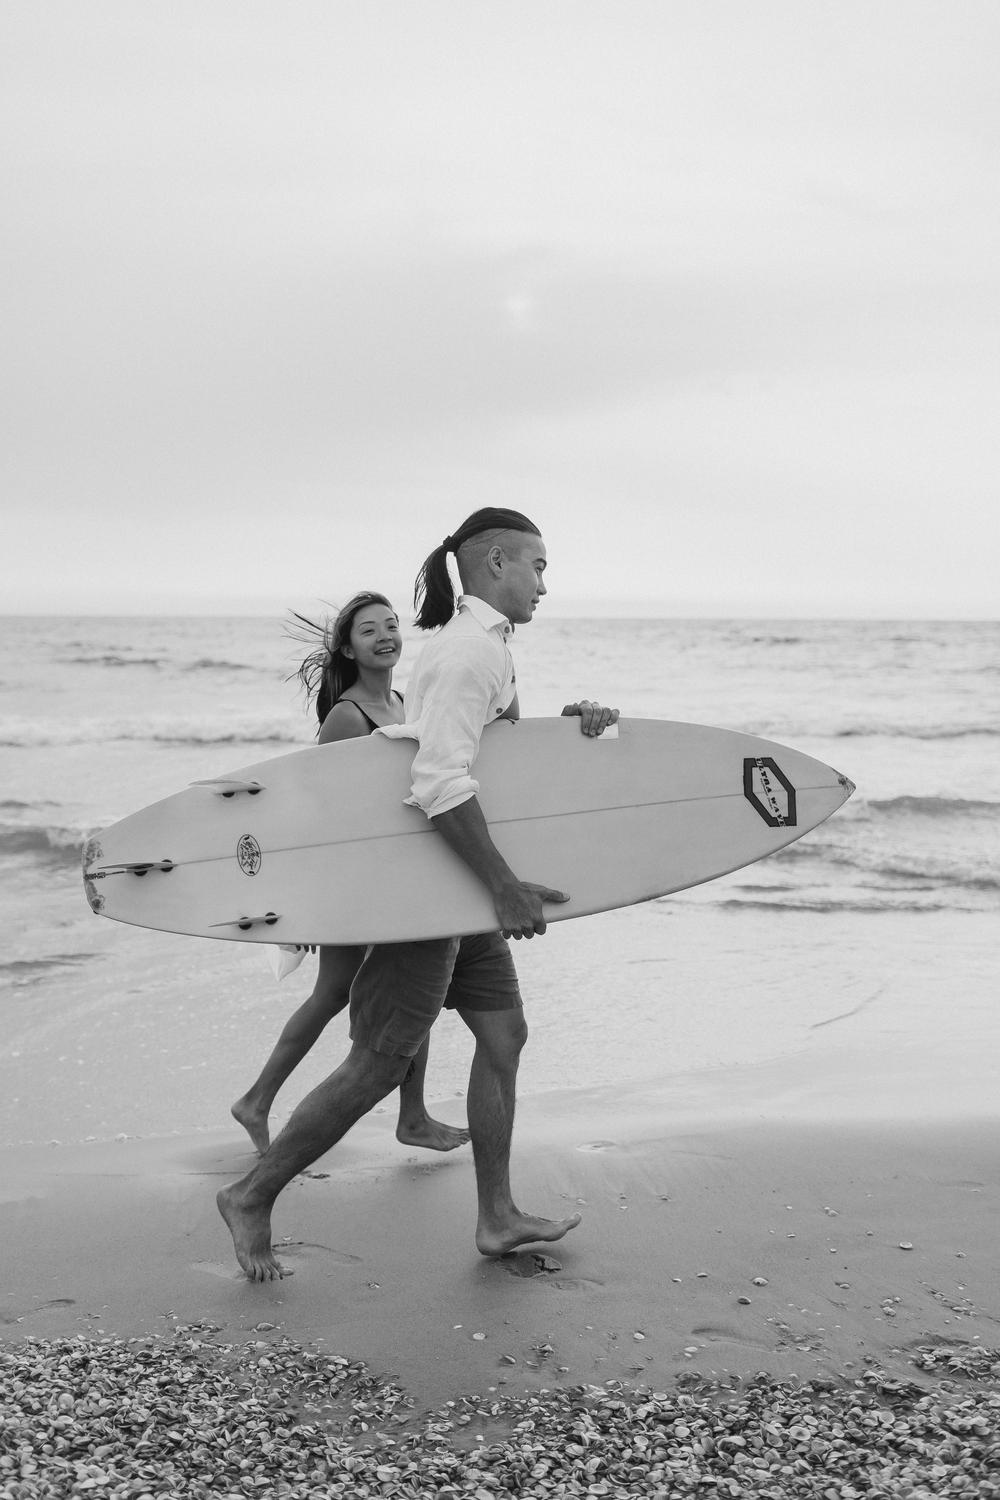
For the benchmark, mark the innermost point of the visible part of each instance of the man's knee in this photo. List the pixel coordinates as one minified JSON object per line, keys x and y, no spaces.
{"x":500,"y":1033}
{"x":516,"y":1028}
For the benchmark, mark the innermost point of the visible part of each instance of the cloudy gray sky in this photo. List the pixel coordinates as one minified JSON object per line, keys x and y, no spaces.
{"x":707,"y":287}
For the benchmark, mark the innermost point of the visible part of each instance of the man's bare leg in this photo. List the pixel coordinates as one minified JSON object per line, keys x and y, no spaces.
{"x":337,"y":967}
{"x":319,"y":1122}
{"x":501,"y":1226}
{"x":416,"y":1127}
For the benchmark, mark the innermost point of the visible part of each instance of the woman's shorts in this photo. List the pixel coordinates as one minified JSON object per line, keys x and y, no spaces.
{"x":401,"y":988}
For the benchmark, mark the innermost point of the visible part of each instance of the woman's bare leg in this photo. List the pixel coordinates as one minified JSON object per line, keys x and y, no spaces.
{"x":337,"y":967}
{"x":416,"y":1127}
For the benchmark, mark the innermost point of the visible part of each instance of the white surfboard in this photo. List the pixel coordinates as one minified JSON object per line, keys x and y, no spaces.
{"x":318,"y":846}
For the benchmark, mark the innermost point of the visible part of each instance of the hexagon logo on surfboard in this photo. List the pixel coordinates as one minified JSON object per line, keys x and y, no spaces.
{"x":769,"y":791}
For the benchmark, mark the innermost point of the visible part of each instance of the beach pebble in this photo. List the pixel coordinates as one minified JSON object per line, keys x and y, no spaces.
{"x":760,"y":1281}
{"x":905,"y":1245}
{"x":743,"y":1301}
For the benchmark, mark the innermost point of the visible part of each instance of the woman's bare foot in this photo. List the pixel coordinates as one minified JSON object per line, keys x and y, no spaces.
{"x":254,"y":1122}
{"x":434,"y":1135}
{"x":251,"y":1232}
{"x":521,"y":1229}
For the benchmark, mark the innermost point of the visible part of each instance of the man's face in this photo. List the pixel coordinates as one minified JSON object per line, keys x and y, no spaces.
{"x":523,"y":567}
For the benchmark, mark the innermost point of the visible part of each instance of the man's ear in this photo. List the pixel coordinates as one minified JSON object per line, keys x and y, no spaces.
{"x":495,"y":559}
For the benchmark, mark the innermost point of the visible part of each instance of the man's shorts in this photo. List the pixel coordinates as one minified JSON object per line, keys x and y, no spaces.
{"x":401,"y":988}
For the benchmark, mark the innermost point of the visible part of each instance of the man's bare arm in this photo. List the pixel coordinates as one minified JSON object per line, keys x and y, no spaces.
{"x":518,"y":903}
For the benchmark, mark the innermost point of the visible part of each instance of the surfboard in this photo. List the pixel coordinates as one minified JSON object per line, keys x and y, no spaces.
{"x":318,"y":846}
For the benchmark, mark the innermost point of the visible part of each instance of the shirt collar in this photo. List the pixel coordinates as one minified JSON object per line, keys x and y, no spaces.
{"x":488,"y":617}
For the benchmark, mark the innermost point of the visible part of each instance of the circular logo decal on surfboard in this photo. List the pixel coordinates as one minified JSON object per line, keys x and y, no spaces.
{"x":248,"y":854}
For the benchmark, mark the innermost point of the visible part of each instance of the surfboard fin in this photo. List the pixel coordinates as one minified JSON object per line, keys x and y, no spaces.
{"x":225,"y":786}
{"x":136,"y":867}
{"x":245,"y":923}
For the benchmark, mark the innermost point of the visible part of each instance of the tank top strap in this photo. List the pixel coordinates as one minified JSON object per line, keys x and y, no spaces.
{"x":346,"y":698}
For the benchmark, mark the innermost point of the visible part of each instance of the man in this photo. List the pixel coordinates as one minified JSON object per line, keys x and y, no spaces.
{"x":463,"y":681}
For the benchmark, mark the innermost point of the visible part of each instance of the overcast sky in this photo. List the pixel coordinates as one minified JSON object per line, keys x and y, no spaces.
{"x":707,"y":287}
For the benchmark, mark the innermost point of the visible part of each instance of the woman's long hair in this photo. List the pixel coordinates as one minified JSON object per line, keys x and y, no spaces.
{"x":326,"y":673}
{"x":434,"y":593}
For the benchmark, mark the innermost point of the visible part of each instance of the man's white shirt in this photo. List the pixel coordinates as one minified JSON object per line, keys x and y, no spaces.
{"x":463,"y":680}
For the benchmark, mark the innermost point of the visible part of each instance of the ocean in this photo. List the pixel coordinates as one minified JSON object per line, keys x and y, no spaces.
{"x":886,"y":913}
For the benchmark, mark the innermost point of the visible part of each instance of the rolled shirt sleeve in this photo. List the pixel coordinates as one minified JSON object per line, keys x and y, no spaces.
{"x":459,"y":692}
{"x":456,"y":708}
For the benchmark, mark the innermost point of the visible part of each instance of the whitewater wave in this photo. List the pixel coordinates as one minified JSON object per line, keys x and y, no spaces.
{"x":209,"y":664}
{"x":875,"y":730}
{"x":243,"y":737}
{"x":46,"y":842}
{"x":920,"y":866}
{"x":33,"y":737}
{"x":20,"y":972}
{"x":909,"y":806}
{"x":111,"y":659}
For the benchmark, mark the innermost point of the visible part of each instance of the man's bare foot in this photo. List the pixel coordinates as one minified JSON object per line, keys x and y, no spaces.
{"x":433,"y":1135}
{"x":521,"y":1229}
{"x":251,"y":1232}
{"x":254,"y":1122}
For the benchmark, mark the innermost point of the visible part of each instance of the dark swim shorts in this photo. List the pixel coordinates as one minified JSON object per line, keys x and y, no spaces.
{"x":401,"y":988}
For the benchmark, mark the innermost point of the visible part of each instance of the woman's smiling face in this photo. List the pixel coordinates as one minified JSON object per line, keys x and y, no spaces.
{"x":376,"y":641}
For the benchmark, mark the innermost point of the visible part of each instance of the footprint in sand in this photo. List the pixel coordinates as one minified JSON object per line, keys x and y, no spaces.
{"x":528,"y":1263}
{"x":215,"y":1268}
{"x":290,"y":1248}
{"x":39,"y":1307}
{"x":287,"y":1250}
{"x":716,"y":1335}
{"x":598,"y":1146}
{"x":7,"y":1318}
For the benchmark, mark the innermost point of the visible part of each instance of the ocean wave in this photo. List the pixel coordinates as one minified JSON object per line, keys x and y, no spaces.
{"x":913,"y":731}
{"x":111,"y":659}
{"x":920,"y":868}
{"x":276,"y":737}
{"x":209,"y":664}
{"x":51,"y":843}
{"x":37,"y":738}
{"x":909,"y":806}
{"x":830,"y":904}
{"x":24,"y":971}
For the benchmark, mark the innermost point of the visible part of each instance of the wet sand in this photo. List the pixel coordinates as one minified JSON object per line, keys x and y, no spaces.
{"x":727,"y":1246}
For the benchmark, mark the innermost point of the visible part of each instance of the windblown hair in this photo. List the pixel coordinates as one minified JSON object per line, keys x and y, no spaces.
{"x":434,"y":593}
{"x":326,"y":673}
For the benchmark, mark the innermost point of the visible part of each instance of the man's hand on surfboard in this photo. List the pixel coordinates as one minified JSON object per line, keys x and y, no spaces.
{"x":519,"y":908}
{"x":593,"y":718}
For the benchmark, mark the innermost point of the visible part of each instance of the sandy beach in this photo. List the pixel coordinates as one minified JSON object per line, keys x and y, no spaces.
{"x":824,"y":1219}
{"x":728,"y":1243}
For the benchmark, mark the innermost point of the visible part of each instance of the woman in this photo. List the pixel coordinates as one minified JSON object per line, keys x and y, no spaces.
{"x":350,"y":676}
